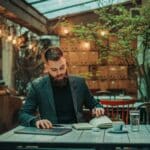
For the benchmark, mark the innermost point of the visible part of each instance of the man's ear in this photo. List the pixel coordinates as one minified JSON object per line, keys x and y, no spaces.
{"x":45,"y":68}
{"x":64,"y":59}
{"x":43,"y":57}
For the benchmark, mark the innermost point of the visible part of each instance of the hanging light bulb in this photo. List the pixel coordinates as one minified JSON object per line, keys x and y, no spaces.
{"x":85,"y":45}
{"x":66,"y":31}
{"x":11,"y":33}
{"x":30,"y":38}
{"x":2,"y":29}
{"x":14,"y":41}
{"x":103,"y":33}
{"x":9,"y":38}
{"x":0,"y":32}
{"x":30,"y":46}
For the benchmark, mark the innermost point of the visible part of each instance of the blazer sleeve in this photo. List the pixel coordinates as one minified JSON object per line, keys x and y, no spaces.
{"x":89,"y":100}
{"x":27,"y":112}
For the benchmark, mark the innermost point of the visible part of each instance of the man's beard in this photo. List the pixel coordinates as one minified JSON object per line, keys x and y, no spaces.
{"x":59,"y":83}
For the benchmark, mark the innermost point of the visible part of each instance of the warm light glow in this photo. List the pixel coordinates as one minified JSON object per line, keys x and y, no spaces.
{"x":85,"y":45}
{"x":30,"y":46}
{"x":0,"y":32}
{"x":14,"y":41}
{"x":103,"y":33}
{"x":112,"y":68}
{"x":9,"y":38}
{"x":112,"y":82}
{"x":65,"y":31}
{"x":122,"y":67}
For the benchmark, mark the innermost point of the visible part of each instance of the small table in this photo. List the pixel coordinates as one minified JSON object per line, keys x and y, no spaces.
{"x":78,"y":139}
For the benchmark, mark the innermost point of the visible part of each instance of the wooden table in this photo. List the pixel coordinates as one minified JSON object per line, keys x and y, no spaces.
{"x":78,"y":139}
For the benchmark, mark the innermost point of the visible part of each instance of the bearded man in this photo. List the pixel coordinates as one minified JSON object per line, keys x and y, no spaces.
{"x":58,"y":96}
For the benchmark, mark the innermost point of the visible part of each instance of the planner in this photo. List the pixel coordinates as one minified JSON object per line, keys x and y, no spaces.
{"x":53,"y":131}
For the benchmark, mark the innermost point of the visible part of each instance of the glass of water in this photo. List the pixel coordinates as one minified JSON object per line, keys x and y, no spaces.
{"x":135,"y":120}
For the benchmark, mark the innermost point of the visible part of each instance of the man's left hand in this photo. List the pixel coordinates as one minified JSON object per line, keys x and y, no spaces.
{"x":97,"y":112}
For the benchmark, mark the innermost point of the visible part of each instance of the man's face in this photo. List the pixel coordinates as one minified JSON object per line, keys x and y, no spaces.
{"x":57,"y":69}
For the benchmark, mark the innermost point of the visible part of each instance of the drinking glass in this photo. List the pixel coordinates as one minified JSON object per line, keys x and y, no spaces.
{"x":135,"y":120}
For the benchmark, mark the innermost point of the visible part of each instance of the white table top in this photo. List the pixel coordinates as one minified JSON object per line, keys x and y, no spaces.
{"x":80,"y":139}
{"x":112,"y":97}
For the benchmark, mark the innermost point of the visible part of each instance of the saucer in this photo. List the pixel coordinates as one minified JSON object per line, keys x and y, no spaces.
{"x":115,"y":131}
{"x":95,"y":129}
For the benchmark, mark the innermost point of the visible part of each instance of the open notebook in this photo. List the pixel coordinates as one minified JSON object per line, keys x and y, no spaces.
{"x":100,"y":122}
{"x":52,"y":131}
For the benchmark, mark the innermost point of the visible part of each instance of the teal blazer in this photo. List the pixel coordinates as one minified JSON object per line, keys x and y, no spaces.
{"x":40,"y":97}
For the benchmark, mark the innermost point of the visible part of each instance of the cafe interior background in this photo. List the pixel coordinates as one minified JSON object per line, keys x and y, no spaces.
{"x":104,"y":41}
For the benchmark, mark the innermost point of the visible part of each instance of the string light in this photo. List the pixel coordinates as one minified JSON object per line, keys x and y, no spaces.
{"x":14,"y":42}
{"x":30,"y":46}
{"x":19,"y":37}
{"x":66,"y":31}
{"x":9,"y":38}
{"x":103,"y":32}
{"x":0,"y":32}
{"x":85,"y":45}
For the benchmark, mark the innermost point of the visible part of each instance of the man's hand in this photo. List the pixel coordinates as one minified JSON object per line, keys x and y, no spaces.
{"x":44,"y":124}
{"x":97,"y":112}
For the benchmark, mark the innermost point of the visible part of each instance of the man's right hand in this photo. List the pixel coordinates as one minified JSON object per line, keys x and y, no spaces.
{"x":43,"y":124}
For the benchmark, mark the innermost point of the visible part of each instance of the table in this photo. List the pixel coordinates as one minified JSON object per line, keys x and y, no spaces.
{"x":78,"y":139}
{"x":113,"y":97}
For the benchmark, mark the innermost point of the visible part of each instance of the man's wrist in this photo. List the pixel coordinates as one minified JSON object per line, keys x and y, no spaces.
{"x":98,"y":106}
{"x":33,"y":122}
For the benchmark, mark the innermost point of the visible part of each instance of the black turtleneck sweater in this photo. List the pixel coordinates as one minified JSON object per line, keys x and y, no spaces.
{"x":64,"y":104}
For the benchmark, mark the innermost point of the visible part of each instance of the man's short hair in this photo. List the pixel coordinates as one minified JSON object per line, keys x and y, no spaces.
{"x":53,"y":53}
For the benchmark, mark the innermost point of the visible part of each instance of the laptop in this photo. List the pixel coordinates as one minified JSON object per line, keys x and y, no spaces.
{"x":53,"y":131}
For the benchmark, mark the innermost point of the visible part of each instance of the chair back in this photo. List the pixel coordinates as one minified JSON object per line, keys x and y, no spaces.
{"x":144,"y":108}
{"x":118,"y":109}
{"x":102,"y":93}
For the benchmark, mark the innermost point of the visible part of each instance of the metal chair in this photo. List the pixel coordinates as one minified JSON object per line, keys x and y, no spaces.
{"x":102,"y":93}
{"x":145,"y":117}
{"x":118,"y":109}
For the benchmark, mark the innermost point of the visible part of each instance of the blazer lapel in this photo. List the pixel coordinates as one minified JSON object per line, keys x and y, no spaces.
{"x":49,"y":94}
{"x":73,"y":87}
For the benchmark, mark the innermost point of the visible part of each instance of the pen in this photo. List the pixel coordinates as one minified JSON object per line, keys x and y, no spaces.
{"x":57,"y":125}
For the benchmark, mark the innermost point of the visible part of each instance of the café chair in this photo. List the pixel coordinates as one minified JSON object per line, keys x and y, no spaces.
{"x":118,"y":109}
{"x":103,"y":93}
{"x":144,"y":112}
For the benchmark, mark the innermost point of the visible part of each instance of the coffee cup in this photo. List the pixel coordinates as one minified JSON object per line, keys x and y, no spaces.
{"x":118,"y":125}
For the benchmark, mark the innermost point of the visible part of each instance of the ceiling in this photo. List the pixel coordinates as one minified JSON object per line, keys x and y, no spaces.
{"x":52,"y":9}
{"x":37,"y":15}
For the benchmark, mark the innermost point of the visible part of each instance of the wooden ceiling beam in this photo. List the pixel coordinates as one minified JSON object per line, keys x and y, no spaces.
{"x":29,"y":9}
{"x":21,"y":13}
